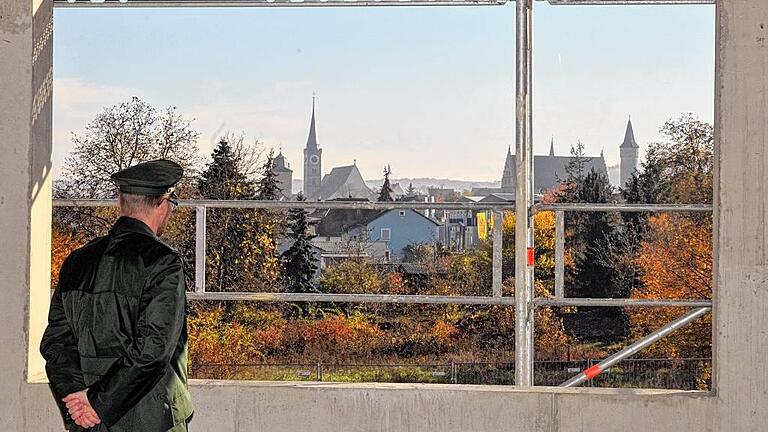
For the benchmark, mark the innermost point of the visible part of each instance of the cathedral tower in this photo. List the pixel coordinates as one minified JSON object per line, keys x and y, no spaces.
{"x":630,"y":153}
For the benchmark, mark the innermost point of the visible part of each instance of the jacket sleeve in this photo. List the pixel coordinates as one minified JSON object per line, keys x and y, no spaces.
{"x":59,"y":349}
{"x":159,"y":327}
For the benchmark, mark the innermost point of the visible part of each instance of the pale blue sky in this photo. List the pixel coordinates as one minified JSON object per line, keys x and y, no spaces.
{"x":429,"y":91}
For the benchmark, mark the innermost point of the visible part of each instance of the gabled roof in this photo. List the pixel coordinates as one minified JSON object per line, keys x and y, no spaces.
{"x":499,"y":197}
{"x":337,"y":221}
{"x":343,"y":182}
{"x":629,"y":137}
{"x":549,"y":171}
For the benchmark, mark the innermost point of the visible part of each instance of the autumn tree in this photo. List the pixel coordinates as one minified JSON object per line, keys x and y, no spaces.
{"x":118,"y":137}
{"x":673,"y":256}
{"x":675,"y":262}
{"x":241,"y":255}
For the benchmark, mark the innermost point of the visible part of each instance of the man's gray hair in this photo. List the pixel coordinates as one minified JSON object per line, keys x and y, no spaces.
{"x":131,"y":204}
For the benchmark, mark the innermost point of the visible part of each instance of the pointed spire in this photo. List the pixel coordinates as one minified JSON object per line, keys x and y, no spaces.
{"x":509,"y":150}
{"x":552,"y":146}
{"x":629,"y":136}
{"x":312,"y":139}
{"x":602,"y":153}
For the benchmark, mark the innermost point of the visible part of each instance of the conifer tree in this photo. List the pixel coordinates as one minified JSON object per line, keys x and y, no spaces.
{"x":411,"y":191}
{"x":299,"y":263}
{"x":268,"y":188}
{"x":386,"y":190}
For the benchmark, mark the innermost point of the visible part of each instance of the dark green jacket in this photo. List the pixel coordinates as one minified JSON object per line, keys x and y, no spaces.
{"x":117,"y":325}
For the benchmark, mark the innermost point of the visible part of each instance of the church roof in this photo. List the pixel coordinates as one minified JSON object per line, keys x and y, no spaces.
{"x":312,"y":138}
{"x":343,"y":182}
{"x":629,"y":137}
{"x":549,"y":171}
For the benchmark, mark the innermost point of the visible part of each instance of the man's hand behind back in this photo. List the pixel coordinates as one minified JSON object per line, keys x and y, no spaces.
{"x":80,"y":409}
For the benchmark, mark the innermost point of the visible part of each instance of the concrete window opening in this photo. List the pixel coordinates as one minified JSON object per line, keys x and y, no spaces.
{"x":739,"y":272}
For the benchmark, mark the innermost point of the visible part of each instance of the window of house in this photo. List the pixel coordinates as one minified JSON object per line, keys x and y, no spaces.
{"x":386,"y":234}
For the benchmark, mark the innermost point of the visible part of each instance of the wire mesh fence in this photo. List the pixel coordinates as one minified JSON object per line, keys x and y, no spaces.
{"x":678,"y":374}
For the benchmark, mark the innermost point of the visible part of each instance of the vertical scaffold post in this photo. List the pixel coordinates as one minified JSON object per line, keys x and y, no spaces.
{"x":200,"y":237}
{"x":498,"y":236}
{"x":523,"y":199}
{"x":559,"y":254}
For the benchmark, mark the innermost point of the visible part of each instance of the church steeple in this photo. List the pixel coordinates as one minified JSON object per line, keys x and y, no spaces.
{"x":630,"y":154}
{"x":508,"y":176}
{"x":312,"y":138}
{"x":312,"y":160}
{"x":629,"y":136}
{"x":552,"y":146}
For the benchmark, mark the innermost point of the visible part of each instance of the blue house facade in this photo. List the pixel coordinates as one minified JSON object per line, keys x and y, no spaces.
{"x":397,"y":228}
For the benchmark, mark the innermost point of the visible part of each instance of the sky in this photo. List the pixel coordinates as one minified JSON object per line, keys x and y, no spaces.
{"x":427,"y":90}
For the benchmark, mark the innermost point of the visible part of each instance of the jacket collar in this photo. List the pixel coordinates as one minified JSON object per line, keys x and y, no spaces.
{"x":129,"y":224}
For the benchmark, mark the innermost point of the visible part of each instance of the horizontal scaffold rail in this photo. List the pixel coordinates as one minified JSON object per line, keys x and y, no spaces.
{"x":355,"y":3}
{"x":351,"y":298}
{"x":619,"y":302}
{"x":437,"y":299}
{"x":354,"y":205}
{"x":272,"y":3}
{"x":636,"y":208}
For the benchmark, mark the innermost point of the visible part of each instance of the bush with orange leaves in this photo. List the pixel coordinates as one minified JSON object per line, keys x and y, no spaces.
{"x":62,"y":244}
{"x":675,"y":262}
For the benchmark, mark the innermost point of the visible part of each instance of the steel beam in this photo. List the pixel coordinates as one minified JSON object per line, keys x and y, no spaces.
{"x":200,"y":247}
{"x":268,"y":3}
{"x":636,"y":208}
{"x":559,"y":254}
{"x":350,"y":3}
{"x":523,"y":196}
{"x":498,"y":250}
{"x":351,"y":298}
{"x":619,"y":302}
{"x":307,"y":205}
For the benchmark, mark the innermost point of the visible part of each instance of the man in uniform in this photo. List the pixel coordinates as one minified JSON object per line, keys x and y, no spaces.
{"x":116,"y":342}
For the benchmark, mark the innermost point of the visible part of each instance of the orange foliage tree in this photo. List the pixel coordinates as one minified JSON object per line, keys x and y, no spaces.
{"x":675,"y":261}
{"x":62,"y":244}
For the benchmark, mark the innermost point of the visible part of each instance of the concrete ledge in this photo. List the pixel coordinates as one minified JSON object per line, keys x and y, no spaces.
{"x":194,"y":383}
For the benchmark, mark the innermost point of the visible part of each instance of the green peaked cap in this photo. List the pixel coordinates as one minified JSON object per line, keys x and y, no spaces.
{"x":153,"y":178}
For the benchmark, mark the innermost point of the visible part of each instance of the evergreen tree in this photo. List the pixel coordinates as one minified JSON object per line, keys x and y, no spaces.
{"x":268,"y":189}
{"x":587,"y":235}
{"x":222,"y":178}
{"x":298,"y":261}
{"x":386,"y":190}
{"x":411,"y":191}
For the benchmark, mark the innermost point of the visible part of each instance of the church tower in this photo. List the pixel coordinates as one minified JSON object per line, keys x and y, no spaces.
{"x":312,"y":160}
{"x":508,"y":179}
{"x":630,"y":153}
{"x":284,"y":173}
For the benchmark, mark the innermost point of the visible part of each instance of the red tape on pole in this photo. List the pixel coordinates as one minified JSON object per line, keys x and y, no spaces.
{"x":531,"y":256}
{"x":592,"y":372}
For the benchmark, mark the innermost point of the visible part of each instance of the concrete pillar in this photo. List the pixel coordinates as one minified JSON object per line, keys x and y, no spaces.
{"x":26,"y":77}
{"x":741,"y":194}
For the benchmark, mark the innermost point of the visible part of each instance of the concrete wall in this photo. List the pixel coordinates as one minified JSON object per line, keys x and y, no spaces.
{"x":741,"y":275}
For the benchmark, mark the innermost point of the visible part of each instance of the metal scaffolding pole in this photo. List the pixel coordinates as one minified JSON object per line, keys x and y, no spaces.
{"x":635,"y":347}
{"x":523,"y":199}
